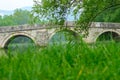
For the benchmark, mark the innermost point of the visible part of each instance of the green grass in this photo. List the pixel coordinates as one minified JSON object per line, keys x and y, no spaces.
{"x":64,"y":62}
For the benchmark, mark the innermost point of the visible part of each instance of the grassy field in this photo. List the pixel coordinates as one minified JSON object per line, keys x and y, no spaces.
{"x":63,"y":62}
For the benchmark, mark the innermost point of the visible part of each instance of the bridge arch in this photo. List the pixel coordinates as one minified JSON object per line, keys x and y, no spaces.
{"x":107,"y":35}
{"x":69,"y":31}
{"x":13,"y":35}
{"x":65,"y":30}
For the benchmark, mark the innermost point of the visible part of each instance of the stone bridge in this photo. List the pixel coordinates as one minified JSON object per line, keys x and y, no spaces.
{"x":42,"y":34}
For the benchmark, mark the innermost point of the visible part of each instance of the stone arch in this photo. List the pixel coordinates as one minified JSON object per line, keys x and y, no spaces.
{"x":75,"y":34}
{"x":114,"y":34}
{"x":70,"y":31}
{"x":7,"y":39}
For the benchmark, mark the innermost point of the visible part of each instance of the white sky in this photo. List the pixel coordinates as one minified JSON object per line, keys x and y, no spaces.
{"x":13,"y":4}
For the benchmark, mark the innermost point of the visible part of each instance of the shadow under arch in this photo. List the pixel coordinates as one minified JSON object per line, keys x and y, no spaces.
{"x":18,"y":40}
{"x":65,"y":35}
{"x":108,"y":36}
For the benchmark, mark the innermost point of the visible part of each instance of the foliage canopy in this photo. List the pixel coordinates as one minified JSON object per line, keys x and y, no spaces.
{"x":84,"y":11}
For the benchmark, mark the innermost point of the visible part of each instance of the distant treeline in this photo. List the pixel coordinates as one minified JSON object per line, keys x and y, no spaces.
{"x":19,"y":17}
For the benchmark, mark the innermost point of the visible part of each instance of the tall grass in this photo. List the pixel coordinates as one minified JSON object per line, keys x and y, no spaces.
{"x":64,"y":62}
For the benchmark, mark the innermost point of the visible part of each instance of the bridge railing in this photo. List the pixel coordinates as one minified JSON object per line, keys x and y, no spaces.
{"x":105,"y":25}
{"x":67,"y":24}
{"x":96,"y":24}
{"x":21,"y":28}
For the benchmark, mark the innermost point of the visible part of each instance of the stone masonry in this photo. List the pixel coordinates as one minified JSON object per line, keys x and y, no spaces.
{"x":41,"y":34}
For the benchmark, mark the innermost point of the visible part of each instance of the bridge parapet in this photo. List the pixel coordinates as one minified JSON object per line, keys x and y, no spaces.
{"x":68,"y":24}
{"x":105,"y":25}
{"x":96,"y":24}
{"x":21,"y":28}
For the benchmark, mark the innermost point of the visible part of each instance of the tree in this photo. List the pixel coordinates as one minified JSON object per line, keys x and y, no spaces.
{"x":84,"y":11}
{"x":21,"y":16}
{"x":6,"y":20}
{"x":54,"y":11}
{"x":110,"y":15}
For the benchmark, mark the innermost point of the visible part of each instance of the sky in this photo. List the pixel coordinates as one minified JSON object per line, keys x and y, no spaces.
{"x":13,"y":4}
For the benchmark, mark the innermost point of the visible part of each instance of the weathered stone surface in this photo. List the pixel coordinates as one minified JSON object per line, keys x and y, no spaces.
{"x":41,"y":34}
